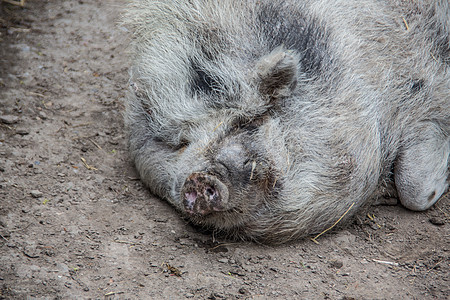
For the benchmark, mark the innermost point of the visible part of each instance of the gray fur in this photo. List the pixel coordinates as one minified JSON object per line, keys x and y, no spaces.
{"x":300,"y":108}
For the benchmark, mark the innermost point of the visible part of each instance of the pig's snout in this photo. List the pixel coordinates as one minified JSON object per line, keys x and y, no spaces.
{"x":203,"y":194}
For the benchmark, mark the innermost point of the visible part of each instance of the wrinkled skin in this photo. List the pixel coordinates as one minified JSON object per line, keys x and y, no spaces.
{"x":268,"y":120}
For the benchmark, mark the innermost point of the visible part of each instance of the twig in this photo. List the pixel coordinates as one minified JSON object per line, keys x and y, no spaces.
{"x":4,"y":238}
{"x":113,"y":293}
{"x":30,"y":255}
{"x":97,"y":145}
{"x":217,"y":126}
{"x":433,"y":267}
{"x":221,"y":245}
{"x":385,"y":262}
{"x":88,"y":166}
{"x":82,"y":124}
{"x":15,"y":2}
{"x":434,"y":57}
{"x":253,"y":169}
{"x":445,"y":214}
{"x":372,"y":218}
{"x":6,"y":126}
{"x":36,"y":94}
{"x":314,"y":239}
{"x":172,"y":269}
{"x":19,"y":229}
{"x":126,"y":242}
{"x":406,"y":24}
{"x":274,"y":182}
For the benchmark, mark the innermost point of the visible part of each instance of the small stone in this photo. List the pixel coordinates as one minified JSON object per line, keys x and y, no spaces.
{"x":31,"y":252}
{"x":437,"y":221}
{"x":22,"y":131}
{"x":223,"y":260}
{"x":336,"y":264}
{"x":36,"y":194}
{"x":42,"y":115}
{"x":215,"y":296}
{"x":189,"y":295}
{"x":242,"y":291}
{"x":9,"y":119}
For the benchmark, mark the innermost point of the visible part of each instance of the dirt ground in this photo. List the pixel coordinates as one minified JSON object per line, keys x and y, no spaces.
{"x":75,"y":223}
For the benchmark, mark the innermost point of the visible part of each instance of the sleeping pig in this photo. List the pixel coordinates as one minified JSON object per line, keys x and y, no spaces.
{"x":269,"y":120}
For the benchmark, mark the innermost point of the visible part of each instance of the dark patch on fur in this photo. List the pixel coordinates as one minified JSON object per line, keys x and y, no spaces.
{"x":283,"y":26}
{"x":417,"y":85}
{"x":203,"y":83}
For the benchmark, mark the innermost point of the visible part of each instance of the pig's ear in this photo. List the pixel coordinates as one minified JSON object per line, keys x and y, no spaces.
{"x":277,"y":73}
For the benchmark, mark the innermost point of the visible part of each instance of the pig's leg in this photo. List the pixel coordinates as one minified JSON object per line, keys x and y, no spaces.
{"x":421,"y":169}
{"x":156,"y":164}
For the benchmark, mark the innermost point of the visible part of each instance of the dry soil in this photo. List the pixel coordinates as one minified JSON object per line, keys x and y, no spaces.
{"x":76,"y":223}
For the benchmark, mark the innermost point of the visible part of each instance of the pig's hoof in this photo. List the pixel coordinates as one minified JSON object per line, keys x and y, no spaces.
{"x":203,"y":194}
{"x":421,"y":169}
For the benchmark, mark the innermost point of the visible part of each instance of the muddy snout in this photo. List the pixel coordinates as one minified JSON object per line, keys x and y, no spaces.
{"x":203,"y":194}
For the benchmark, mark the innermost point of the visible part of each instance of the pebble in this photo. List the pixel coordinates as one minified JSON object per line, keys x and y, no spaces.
{"x":22,"y":131}
{"x":42,"y":115}
{"x":336,"y":264}
{"x":364,"y":261}
{"x":9,"y":119}
{"x":223,"y":260}
{"x":36,"y":194}
{"x":437,"y":221}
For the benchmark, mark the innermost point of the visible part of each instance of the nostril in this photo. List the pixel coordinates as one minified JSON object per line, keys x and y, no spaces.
{"x":210,"y":192}
{"x":190,"y":198}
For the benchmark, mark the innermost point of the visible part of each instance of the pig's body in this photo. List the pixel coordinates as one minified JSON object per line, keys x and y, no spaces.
{"x":267,"y":120}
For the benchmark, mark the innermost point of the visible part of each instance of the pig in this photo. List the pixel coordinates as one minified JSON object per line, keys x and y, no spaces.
{"x":270,"y":120}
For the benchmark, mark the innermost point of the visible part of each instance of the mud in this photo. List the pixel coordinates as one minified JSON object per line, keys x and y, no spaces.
{"x":76,"y":223}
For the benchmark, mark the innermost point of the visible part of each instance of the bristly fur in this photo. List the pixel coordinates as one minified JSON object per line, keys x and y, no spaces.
{"x":318,"y":102}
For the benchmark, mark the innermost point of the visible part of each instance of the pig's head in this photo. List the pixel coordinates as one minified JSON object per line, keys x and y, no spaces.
{"x":233,"y":176}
